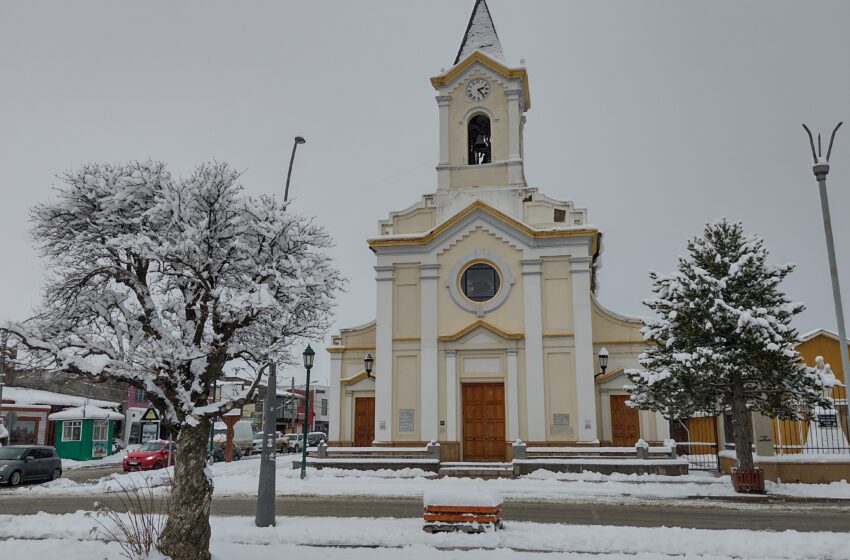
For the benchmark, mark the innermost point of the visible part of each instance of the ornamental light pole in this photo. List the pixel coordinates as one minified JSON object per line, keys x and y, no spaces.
{"x":821,"y":170}
{"x":266,"y":485}
{"x":309,"y":354}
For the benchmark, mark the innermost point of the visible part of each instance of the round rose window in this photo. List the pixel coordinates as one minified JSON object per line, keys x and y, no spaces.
{"x":480,"y":282}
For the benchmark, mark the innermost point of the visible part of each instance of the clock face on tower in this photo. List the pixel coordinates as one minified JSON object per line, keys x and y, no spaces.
{"x":477,"y":89}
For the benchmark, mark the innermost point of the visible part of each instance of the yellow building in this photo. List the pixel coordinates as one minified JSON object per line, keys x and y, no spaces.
{"x":487,"y":326}
{"x":792,"y":436}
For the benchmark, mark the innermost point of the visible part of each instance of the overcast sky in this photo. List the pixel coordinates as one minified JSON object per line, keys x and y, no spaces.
{"x":655,"y":116}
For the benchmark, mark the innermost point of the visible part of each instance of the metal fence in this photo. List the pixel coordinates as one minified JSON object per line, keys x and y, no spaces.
{"x":696,"y":441}
{"x":821,"y":432}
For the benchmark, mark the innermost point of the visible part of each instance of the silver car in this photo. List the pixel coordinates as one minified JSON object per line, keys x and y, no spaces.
{"x":25,"y":463}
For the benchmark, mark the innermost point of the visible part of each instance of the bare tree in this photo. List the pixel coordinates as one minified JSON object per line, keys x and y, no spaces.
{"x":166,"y":284}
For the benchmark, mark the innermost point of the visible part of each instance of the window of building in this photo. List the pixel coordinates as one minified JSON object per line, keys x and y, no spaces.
{"x":480,"y":282}
{"x":135,"y":433}
{"x":72,"y":430}
{"x":100,"y":430}
{"x":139,"y":395}
{"x":324,"y":407}
{"x":478,"y":132}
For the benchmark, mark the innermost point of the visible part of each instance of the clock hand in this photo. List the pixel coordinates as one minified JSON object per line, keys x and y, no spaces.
{"x":481,"y":92}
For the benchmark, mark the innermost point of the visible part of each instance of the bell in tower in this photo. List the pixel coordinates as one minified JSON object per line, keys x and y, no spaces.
{"x":479,"y":140}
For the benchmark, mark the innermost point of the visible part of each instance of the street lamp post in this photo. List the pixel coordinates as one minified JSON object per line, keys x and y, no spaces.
{"x":309,"y":354}
{"x":266,"y":485}
{"x":821,"y":170}
{"x":4,"y":337}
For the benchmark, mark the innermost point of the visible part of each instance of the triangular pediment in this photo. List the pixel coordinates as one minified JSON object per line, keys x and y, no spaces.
{"x":481,"y":210}
{"x":483,"y":332}
{"x":491,"y":63}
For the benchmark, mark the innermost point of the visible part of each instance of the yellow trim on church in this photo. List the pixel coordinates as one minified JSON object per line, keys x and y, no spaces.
{"x":480,"y":323}
{"x":354,"y":379}
{"x":478,"y":56}
{"x":609,"y":375}
{"x":479,"y":204}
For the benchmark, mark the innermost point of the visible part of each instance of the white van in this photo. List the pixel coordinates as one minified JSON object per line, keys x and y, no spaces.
{"x":243,"y":435}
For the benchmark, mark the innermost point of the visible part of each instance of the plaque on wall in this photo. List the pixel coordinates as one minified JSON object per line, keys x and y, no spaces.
{"x":560,"y":419}
{"x":405,"y":420}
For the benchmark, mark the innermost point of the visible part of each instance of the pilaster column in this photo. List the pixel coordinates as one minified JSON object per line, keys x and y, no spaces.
{"x":514,"y":124}
{"x":512,"y":390}
{"x":662,"y":427}
{"x":515,"y":175}
{"x":334,"y":412}
{"x":451,"y":395}
{"x":533,"y":318}
{"x":428,"y":276}
{"x":583,"y":327}
{"x":443,"y":172}
{"x":384,"y":354}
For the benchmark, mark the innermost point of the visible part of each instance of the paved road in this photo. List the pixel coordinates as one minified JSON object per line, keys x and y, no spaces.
{"x":693,"y":515}
{"x":91,"y":473}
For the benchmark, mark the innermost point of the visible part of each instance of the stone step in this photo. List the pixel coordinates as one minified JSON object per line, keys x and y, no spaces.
{"x":477,"y":470}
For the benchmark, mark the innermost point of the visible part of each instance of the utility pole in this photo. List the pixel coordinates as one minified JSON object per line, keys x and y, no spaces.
{"x":4,"y":348}
{"x":821,"y":170}
{"x":266,"y":487}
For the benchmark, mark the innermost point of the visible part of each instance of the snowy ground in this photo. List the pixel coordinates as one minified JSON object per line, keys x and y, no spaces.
{"x":108,"y":461}
{"x":378,"y":539}
{"x":240,"y":478}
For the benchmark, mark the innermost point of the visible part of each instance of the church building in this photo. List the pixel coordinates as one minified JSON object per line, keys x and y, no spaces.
{"x":487,"y":328}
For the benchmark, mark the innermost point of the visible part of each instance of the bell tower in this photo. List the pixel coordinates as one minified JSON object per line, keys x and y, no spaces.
{"x":482,"y":104}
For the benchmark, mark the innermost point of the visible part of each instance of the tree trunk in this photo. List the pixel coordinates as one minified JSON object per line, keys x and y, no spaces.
{"x":740,"y":426}
{"x":186,"y":535}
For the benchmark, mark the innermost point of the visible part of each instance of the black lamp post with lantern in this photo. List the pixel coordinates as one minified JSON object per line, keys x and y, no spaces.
{"x":309,"y":355}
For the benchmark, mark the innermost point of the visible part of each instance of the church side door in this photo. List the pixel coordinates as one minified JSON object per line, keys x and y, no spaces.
{"x":625,"y":425}
{"x":364,"y":421}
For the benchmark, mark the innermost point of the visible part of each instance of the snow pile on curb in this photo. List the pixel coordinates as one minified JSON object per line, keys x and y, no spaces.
{"x":309,"y":538}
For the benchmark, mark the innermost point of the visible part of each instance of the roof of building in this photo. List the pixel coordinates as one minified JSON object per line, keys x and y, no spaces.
{"x":480,"y":35}
{"x":21,"y":395}
{"x":86,"y":412}
{"x":818,"y":332}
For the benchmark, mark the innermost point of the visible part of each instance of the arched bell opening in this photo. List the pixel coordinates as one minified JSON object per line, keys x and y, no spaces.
{"x":479,"y":144}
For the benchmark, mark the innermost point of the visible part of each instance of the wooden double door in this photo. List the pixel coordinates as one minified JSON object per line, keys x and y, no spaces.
{"x":484,"y":422}
{"x":625,"y":424}
{"x":364,"y":421}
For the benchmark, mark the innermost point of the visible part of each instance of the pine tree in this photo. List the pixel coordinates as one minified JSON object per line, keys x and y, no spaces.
{"x":723,"y":339}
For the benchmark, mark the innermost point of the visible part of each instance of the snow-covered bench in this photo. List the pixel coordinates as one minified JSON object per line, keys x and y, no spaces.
{"x":471,"y":510}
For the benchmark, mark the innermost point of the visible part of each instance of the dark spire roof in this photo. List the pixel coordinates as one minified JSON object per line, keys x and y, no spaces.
{"x":480,"y":34}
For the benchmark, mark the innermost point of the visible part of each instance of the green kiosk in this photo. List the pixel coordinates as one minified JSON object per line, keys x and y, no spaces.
{"x":84,"y":433}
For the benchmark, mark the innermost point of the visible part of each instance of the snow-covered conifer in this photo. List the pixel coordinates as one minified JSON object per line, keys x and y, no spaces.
{"x":722,"y":338}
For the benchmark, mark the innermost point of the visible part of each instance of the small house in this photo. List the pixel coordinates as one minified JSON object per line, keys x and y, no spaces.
{"x":85,"y":432}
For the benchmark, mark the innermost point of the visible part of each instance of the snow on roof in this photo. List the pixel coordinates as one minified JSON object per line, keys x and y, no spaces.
{"x":22,"y":395}
{"x":816,"y":332}
{"x":86,"y":412}
{"x":480,"y":35}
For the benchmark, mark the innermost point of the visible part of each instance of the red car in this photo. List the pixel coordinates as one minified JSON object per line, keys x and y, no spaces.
{"x":155,"y":454}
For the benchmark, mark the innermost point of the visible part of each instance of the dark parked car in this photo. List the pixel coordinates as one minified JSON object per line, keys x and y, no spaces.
{"x":25,"y":463}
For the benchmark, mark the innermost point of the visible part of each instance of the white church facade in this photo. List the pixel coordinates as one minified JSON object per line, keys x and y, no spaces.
{"x":487,"y":327}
